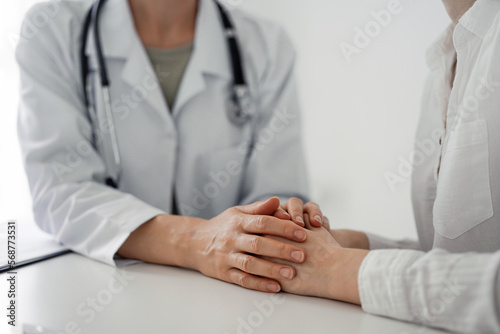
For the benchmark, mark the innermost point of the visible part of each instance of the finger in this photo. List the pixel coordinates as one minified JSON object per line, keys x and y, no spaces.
{"x":259,"y":267}
{"x":307,"y":221}
{"x":295,"y":208}
{"x":274,"y":226}
{"x":282,"y":214}
{"x":252,"y":282}
{"x":262,"y":246}
{"x":267,"y":208}
{"x":326,"y":223}
{"x":314,"y":213}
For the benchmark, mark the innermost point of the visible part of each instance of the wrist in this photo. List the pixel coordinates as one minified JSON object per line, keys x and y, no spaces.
{"x":351,"y":239}
{"x":164,"y":239}
{"x":360,"y":240}
{"x":179,"y":234}
{"x":343,"y":277}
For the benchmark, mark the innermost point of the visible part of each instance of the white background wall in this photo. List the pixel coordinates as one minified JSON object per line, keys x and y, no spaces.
{"x":359,"y":117}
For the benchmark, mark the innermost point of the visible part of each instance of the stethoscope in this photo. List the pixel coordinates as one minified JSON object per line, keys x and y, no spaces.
{"x":240,"y":110}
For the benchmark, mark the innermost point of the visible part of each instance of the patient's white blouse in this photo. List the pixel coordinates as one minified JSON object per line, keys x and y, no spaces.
{"x":451,"y":277}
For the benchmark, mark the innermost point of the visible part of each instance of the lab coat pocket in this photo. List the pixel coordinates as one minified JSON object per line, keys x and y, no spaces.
{"x":463,"y":198}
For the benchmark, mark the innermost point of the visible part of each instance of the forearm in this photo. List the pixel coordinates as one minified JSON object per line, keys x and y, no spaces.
{"x":362,"y":240}
{"x":351,"y":239}
{"x":379,"y":242}
{"x":165,"y":239}
{"x":458,"y":292}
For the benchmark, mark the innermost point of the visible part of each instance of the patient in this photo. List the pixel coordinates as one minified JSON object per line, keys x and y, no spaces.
{"x":451,"y":277}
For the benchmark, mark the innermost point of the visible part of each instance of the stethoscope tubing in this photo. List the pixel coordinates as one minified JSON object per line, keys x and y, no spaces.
{"x":241,"y":111}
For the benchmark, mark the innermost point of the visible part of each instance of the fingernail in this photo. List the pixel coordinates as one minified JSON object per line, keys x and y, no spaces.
{"x":286,"y":273}
{"x":298,"y":256}
{"x":299,"y":219}
{"x":273,"y":287}
{"x":299,"y":235}
{"x":318,"y":219}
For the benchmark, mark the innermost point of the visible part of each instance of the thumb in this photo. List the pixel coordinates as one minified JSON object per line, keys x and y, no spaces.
{"x":266,"y":208}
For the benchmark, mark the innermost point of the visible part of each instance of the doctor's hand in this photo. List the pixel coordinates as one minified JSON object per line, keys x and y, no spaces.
{"x":230,"y":246}
{"x":296,"y":209}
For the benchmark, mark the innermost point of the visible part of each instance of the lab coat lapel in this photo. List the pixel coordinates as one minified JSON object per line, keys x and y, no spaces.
{"x":191,"y":85}
{"x":139,"y":74}
{"x":120,"y":41}
{"x":210,"y":55}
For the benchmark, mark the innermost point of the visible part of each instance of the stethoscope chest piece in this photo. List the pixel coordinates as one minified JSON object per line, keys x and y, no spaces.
{"x":240,"y":107}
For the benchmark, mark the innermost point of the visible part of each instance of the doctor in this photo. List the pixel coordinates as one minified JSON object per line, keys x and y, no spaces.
{"x":164,"y":174}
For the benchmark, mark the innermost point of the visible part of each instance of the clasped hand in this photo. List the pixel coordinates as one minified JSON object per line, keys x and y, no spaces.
{"x":268,"y":247}
{"x":235,"y":247}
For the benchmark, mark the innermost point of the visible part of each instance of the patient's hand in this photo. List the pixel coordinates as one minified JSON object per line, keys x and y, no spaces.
{"x":296,"y":209}
{"x":329,"y":270}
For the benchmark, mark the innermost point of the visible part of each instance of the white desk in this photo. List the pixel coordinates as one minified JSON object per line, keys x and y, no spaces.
{"x":160,"y":299}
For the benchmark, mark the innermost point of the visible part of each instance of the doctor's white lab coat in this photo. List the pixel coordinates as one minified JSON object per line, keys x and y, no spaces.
{"x":192,"y":150}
